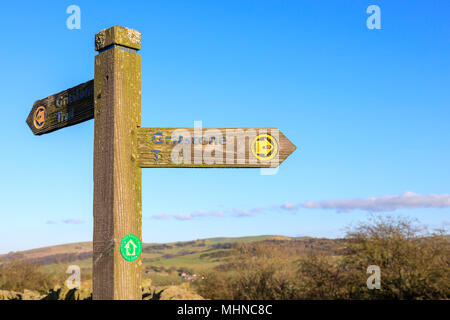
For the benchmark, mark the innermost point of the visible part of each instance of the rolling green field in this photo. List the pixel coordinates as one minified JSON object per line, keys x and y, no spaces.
{"x":162,"y":263}
{"x":415,"y":266}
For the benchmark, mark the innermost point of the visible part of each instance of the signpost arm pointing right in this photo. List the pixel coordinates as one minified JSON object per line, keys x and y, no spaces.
{"x":117,"y":178}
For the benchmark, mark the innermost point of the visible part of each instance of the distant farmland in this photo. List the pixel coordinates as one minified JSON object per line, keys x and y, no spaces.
{"x":163,"y":263}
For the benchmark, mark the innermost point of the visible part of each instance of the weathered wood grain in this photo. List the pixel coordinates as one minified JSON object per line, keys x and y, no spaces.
{"x":63,"y":109}
{"x":117,"y":178}
{"x":208,"y":147}
{"x":118,"y":35}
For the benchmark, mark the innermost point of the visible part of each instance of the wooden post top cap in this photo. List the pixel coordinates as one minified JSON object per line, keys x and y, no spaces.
{"x":118,"y":35}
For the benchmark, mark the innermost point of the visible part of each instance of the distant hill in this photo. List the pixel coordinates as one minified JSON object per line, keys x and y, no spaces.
{"x":72,"y":252}
{"x":83,"y":250}
{"x":54,"y":254}
{"x":164,"y":263}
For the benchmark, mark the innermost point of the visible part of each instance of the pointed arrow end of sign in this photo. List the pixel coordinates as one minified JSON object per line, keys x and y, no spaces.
{"x":30,"y":124}
{"x":286,"y":147}
{"x":37,"y":104}
{"x":29,"y":121}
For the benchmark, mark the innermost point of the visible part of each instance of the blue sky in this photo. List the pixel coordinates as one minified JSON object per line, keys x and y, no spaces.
{"x":369,"y":111}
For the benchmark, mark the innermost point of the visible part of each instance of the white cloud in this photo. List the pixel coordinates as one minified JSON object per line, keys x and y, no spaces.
{"x":242,"y":213}
{"x":161,"y":216}
{"x":72,"y":221}
{"x":184,"y":216}
{"x":203,"y":213}
{"x":407,"y":200}
{"x":51,"y":222}
{"x":289,"y":206}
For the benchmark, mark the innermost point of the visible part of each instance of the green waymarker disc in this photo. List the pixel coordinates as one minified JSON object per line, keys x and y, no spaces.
{"x":130,"y":247}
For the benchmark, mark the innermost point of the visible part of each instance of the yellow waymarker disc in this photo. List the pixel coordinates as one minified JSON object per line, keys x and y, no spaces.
{"x":264,"y":147}
{"x":39,"y":117}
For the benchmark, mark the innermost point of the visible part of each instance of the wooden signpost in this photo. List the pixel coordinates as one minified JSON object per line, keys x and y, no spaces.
{"x":217,"y":148}
{"x":63,"y":109}
{"x":122,"y":148}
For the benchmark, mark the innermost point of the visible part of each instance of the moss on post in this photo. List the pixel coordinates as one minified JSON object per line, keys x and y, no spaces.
{"x":117,"y":178}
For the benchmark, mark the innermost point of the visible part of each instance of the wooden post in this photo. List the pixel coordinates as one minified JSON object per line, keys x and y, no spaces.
{"x":117,"y":178}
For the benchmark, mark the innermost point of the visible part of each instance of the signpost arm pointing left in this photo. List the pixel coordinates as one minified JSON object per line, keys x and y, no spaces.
{"x":117,"y":178}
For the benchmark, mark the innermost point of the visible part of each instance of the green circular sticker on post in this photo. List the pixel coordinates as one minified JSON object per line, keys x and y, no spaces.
{"x":130,"y":247}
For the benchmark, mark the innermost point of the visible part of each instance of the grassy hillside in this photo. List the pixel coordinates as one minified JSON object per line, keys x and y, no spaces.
{"x":162,"y":263}
{"x":414,"y":263}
